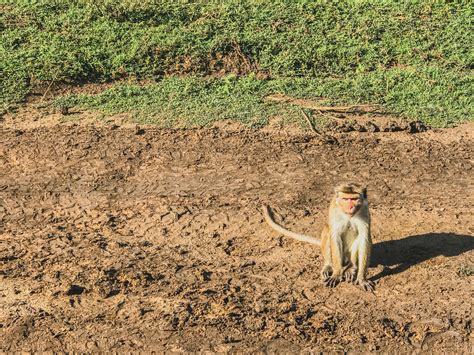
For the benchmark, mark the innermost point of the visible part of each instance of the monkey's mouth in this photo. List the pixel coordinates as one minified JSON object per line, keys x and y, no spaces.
{"x":351,"y":212}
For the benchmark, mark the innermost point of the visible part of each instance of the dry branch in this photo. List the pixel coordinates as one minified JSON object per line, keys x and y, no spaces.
{"x":308,"y":120}
{"x":327,"y":138}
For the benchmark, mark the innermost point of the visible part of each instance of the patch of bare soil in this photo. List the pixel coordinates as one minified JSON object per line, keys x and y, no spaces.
{"x":125,"y":238}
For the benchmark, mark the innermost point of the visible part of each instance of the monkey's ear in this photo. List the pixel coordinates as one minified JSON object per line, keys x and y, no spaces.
{"x":364,"y":192}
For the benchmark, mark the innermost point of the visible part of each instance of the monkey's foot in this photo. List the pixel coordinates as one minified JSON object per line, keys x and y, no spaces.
{"x":326,"y":272}
{"x":366,"y":285}
{"x":350,"y":274}
{"x":332,"y":281}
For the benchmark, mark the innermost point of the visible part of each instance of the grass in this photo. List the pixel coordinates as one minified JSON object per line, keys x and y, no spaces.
{"x":414,"y":58}
{"x":184,"y":101}
{"x":465,"y":270}
{"x":193,"y":101}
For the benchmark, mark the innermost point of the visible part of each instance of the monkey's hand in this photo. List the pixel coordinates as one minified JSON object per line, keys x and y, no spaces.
{"x":326,"y":273}
{"x":366,"y":285}
{"x":333,"y":281}
{"x":350,"y":274}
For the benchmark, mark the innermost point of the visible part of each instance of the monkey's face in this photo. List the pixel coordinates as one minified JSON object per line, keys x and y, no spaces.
{"x":350,"y":203}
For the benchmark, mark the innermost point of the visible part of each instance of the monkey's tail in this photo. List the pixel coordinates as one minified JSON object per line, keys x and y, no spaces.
{"x":301,"y":237}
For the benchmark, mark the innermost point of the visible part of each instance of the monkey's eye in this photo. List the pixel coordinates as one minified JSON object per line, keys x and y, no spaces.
{"x":350,"y":198}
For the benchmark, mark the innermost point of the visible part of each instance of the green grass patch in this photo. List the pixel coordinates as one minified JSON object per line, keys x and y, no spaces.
{"x":187,"y":101}
{"x":465,"y":270}
{"x":195,"y":101}
{"x":414,"y":57}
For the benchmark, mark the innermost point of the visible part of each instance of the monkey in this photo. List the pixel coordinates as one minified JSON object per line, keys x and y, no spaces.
{"x":345,"y":239}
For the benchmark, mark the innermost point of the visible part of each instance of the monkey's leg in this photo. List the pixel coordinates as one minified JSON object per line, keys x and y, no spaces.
{"x":326,"y":272}
{"x":337,"y":259}
{"x":350,"y":272}
{"x":364,"y":249}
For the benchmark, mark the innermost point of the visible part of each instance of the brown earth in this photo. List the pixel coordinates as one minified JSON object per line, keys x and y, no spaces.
{"x":115,"y":237}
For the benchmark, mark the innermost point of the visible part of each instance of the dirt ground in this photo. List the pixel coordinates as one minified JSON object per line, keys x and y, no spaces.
{"x":116,"y":237}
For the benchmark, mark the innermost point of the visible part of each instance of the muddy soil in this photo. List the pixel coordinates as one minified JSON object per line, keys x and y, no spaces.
{"x":123,"y":238}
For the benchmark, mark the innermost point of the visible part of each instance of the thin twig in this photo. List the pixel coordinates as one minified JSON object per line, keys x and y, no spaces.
{"x":327,"y":138}
{"x":325,"y":114}
{"x":310,"y":124}
{"x":49,"y":86}
{"x":342,"y":109}
{"x":240,"y":53}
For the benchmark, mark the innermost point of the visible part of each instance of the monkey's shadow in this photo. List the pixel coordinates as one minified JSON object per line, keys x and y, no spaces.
{"x":399,"y":255}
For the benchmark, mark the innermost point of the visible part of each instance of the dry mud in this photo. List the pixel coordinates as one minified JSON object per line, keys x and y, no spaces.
{"x":124,"y":238}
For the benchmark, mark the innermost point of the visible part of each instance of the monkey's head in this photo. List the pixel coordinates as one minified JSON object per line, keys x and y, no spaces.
{"x":350,"y":197}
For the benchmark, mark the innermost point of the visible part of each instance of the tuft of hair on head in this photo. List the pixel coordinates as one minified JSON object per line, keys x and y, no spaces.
{"x":352,"y":188}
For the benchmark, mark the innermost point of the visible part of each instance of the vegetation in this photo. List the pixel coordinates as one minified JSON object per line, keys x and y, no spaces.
{"x":465,"y":270}
{"x":212,"y":60}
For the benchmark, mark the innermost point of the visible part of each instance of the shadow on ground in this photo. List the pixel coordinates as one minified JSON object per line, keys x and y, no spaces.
{"x":399,"y":255}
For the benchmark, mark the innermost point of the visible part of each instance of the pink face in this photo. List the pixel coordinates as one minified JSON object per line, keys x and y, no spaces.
{"x":349,"y":203}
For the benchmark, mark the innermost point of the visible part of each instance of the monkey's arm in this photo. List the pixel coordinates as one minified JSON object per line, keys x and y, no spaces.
{"x":326,"y":272}
{"x":337,"y":257}
{"x":365,"y":247}
{"x":286,"y":232}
